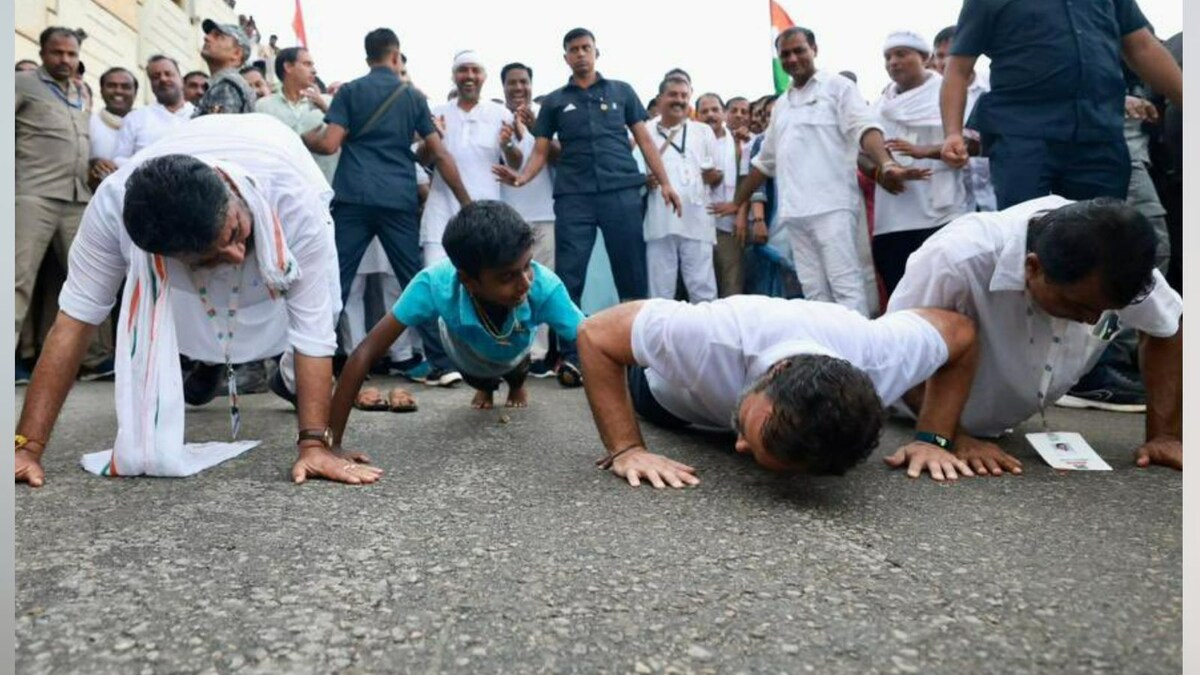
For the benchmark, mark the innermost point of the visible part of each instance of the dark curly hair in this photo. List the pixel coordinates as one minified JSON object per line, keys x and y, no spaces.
{"x":825,"y":414}
{"x":175,"y":204}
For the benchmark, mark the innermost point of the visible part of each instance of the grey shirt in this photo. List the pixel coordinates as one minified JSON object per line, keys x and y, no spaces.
{"x":227,"y":93}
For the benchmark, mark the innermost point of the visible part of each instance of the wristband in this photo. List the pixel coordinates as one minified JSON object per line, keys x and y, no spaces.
{"x":934,"y":439}
{"x":606,"y":462}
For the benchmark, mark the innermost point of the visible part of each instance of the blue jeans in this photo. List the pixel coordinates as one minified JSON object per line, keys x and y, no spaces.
{"x":618,"y":214}
{"x":399,"y":233}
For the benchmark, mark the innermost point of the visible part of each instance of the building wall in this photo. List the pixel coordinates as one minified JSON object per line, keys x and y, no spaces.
{"x":123,"y":32}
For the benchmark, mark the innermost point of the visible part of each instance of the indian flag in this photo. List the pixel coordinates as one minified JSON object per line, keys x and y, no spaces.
{"x":780,"y":21}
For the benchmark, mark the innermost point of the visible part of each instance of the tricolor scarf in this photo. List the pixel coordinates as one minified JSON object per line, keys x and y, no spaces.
{"x":149,"y":387}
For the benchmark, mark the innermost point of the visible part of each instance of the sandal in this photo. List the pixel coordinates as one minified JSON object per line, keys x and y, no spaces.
{"x":400,"y":401}
{"x":370,"y":399}
{"x":569,"y":375}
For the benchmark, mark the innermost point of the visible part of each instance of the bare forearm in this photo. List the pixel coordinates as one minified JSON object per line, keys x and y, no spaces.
{"x":354,"y":372}
{"x":654,"y":162}
{"x":313,"y":377}
{"x":1155,"y":65}
{"x":54,"y":376}
{"x":748,"y":185}
{"x":608,"y":397}
{"x":449,"y":171}
{"x":947,"y":390}
{"x":1162,"y":371}
{"x":874,"y":149}
{"x":954,"y":101}
{"x":513,"y":156}
{"x":318,"y":141}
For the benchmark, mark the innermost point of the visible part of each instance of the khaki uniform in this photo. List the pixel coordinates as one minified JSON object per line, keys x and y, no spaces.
{"x":51,"y":177}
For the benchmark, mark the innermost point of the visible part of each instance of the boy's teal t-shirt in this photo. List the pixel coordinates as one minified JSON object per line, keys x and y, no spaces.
{"x":436,"y":293}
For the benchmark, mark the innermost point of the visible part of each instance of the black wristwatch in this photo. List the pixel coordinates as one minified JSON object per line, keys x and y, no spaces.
{"x":325,"y":436}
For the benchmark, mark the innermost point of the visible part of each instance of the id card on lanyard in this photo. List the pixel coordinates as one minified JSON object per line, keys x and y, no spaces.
{"x":224,"y":337}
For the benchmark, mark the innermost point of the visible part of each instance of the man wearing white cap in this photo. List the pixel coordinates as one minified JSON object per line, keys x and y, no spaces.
{"x":910,"y":112}
{"x":226,"y":48}
{"x":477,"y":133}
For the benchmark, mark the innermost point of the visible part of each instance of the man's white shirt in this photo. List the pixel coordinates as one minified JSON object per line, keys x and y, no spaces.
{"x":915,"y":116}
{"x":725,"y":159}
{"x":700,"y":358}
{"x":685,"y":149}
{"x":103,"y":137}
{"x":976,"y":266}
{"x":145,"y":126}
{"x":294,"y":187}
{"x":473,"y":140}
{"x":811,"y":146}
{"x":535,"y":200}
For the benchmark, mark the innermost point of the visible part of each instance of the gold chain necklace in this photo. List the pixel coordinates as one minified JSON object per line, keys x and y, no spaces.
{"x":489,"y":326}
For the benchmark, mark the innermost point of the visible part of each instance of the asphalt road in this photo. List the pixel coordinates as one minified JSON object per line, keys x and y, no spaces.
{"x":493,"y":545}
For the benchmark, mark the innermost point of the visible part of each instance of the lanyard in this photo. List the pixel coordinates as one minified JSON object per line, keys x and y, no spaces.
{"x":1057,"y":329}
{"x":670,"y":140}
{"x":225,"y":338}
{"x":78,"y":105}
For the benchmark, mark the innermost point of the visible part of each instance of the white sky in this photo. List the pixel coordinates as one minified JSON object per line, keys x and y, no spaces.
{"x":727,"y":51}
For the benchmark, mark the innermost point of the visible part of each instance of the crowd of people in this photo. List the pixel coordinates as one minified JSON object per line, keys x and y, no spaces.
{"x":791,"y":269}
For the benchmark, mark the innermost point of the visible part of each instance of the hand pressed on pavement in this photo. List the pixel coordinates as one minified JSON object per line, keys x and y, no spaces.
{"x":919,"y":457}
{"x":341,"y":467}
{"x":638,"y":463}
{"x":985,"y":458}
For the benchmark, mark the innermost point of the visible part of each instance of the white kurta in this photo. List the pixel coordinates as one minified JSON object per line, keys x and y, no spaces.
{"x":534,"y":201}
{"x":293,"y":185}
{"x":725,"y":159}
{"x":811,"y":146}
{"x":146,"y":125}
{"x":915,"y":116}
{"x":103,"y":137}
{"x":976,"y":266}
{"x":732,"y":341}
{"x":685,"y":149}
{"x":473,"y":139}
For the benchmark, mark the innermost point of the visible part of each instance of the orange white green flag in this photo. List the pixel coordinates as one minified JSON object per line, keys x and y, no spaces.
{"x":780,"y":21}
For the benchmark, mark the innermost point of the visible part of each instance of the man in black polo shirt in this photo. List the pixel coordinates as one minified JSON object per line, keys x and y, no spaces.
{"x":597,"y":184}
{"x":373,"y":121}
{"x":1054,"y":119}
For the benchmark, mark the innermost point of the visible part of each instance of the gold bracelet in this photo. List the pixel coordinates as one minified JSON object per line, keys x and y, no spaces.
{"x":22,"y":442}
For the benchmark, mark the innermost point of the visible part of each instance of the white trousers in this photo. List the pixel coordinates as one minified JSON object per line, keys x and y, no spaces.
{"x":826,"y":259}
{"x":672,"y":255}
{"x":355,"y":328}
